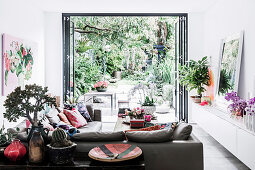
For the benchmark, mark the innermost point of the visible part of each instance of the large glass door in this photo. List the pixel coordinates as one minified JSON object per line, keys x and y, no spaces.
{"x":179,"y":55}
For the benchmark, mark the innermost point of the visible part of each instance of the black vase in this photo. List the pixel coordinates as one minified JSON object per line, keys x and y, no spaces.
{"x":44,"y":132}
{"x":36,"y":148}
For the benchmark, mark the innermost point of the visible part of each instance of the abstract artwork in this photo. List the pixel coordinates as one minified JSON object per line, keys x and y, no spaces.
{"x":18,"y":61}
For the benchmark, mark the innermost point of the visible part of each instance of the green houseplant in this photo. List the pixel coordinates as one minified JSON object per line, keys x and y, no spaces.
{"x":195,"y":76}
{"x":24,"y":103}
{"x":148,"y":105}
{"x":60,"y":149}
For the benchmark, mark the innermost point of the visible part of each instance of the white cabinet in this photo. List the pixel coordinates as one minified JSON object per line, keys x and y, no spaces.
{"x":230,"y":133}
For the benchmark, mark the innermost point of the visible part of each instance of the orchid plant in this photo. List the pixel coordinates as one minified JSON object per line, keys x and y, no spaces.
{"x":238,"y":105}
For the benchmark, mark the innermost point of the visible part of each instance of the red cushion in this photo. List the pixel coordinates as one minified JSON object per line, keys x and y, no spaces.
{"x":76,"y":119}
{"x":63,"y":118}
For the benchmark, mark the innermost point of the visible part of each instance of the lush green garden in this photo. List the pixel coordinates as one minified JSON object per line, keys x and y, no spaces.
{"x":142,"y":48}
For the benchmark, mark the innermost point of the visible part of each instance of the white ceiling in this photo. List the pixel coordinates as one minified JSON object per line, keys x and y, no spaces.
{"x":122,"y":6}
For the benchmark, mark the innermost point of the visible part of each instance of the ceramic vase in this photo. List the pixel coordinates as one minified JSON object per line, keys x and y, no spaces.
{"x":36,"y":148}
{"x":15,"y":151}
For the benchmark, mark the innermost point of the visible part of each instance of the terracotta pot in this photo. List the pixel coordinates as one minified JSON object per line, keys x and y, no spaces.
{"x":15,"y":151}
{"x":196,"y":99}
{"x":36,"y":148}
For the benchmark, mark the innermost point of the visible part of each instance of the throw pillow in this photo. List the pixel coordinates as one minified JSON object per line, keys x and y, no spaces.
{"x":52,"y":116}
{"x":151,"y":128}
{"x":182,"y":131}
{"x":84,"y":112}
{"x":63,"y":118}
{"x":99,"y":136}
{"x":91,"y":111}
{"x":156,"y":136}
{"x":76,"y":119}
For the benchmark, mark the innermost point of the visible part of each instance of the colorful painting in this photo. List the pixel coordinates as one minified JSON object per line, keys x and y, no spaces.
{"x":18,"y":61}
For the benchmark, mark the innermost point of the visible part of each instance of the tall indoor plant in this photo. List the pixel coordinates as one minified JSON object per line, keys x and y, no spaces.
{"x":24,"y":103}
{"x":195,"y":76}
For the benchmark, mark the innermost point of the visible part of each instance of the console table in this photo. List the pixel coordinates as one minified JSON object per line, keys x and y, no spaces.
{"x":230,"y":133}
{"x":81,"y":162}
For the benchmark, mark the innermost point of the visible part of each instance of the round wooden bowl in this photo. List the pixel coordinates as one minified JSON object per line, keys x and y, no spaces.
{"x":97,"y":154}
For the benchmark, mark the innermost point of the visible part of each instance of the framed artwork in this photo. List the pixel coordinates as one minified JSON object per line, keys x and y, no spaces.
{"x":18,"y":60}
{"x":229,"y":66}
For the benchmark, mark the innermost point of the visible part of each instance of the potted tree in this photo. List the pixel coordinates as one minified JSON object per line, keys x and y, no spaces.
{"x":60,"y":149}
{"x":195,"y":76}
{"x":23,"y":103}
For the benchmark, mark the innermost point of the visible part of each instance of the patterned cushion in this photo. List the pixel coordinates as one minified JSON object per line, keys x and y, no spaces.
{"x":63,"y":118}
{"x":84,"y":112}
{"x":157,"y":127}
{"x":76,"y":119}
{"x":52,"y":115}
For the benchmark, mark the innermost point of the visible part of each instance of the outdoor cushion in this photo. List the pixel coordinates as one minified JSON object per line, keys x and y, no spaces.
{"x":99,"y":136}
{"x":94,"y":126}
{"x":182,"y":131}
{"x":75,"y":118}
{"x":150,"y":136}
{"x":63,"y":118}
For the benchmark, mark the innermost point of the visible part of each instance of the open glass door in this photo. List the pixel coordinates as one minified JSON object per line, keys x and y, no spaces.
{"x":181,"y":51}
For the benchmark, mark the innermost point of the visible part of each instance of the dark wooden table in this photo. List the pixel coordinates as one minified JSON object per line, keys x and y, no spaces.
{"x":81,"y":161}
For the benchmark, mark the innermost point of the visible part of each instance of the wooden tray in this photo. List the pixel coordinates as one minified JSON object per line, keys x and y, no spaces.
{"x":97,"y":154}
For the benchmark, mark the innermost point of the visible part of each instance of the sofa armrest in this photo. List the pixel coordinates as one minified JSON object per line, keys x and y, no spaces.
{"x":97,"y":115}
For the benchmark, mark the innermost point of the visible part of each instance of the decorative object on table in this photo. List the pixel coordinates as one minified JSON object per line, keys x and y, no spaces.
{"x":206,"y":99}
{"x":136,"y":113}
{"x":238,"y":105}
{"x":15,"y":151}
{"x":71,"y":102}
{"x":18,"y":60}
{"x":195,"y":76}
{"x":229,"y":67}
{"x":149,"y":105}
{"x":61,"y":149}
{"x":203,"y":103}
{"x":249,"y":117}
{"x":22,"y":103}
{"x":115,"y":152}
{"x":36,"y":148}
{"x":101,"y":86}
{"x":136,"y":123}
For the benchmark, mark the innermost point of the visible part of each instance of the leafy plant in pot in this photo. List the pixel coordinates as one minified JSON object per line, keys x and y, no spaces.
{"x":149,"y":105}
{"x":61,"y":149}
{"x":195,"y":76}
{"x":24,"y":103}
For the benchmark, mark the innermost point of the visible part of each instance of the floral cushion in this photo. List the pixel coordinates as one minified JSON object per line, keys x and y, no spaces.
{"x":63,"y":118}
{"x":76,"y":119}
{"x":83,"y":111}
{"x":157,"y":127}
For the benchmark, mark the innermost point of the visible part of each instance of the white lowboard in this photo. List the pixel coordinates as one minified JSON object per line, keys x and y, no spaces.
{"x":229,"y":132}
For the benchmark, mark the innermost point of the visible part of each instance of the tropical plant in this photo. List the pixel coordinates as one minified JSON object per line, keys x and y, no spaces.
{"x":224,"y":84}
{"x":195,"y":75}
{"x":23,"y":103}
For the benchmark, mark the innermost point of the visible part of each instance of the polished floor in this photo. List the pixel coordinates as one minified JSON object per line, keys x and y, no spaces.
{"x":216,"y":157}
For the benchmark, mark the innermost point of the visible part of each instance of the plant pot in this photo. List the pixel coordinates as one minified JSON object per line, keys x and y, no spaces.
{"x":101,"y":89}
{"x":117,"y":75}
{"x":196,"y":99}
{"x":62,"y":155}
{"x":44,"y":132}
{"x":149,"y":109}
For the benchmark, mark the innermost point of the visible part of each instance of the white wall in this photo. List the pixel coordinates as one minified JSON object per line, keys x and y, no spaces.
{"x":22,"y":20}
{"x":223,"y":19}
{"x":53,"y":53}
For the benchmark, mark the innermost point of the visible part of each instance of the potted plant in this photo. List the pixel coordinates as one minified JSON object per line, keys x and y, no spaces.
{"x":60,"y":149}
{"x":71,"y":102}
{"x":101,"y":86}
{"x":149,"y":105}
{"x":195,"y":76}
{"x":23,"y":103}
